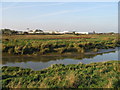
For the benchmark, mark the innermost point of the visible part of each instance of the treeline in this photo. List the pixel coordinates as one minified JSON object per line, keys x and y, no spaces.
{"x":12,"y":32}
{"x":8,"y":32}
{"x":40,"y":32}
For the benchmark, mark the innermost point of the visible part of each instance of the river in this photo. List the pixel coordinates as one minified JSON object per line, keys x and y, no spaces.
{"x":44,"y":61}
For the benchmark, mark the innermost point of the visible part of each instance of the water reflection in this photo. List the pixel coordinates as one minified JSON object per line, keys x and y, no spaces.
{"x":40,"y":62}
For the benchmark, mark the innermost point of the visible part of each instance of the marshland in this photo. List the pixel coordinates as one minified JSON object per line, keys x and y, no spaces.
{"x":60,"y":61}
{"x":94,"y":75}
{"x":43,"y":44}
{"x":59,"y":44}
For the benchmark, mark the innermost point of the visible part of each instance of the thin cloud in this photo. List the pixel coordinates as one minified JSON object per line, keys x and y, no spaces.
{"x":69,"y":11}
{"x":10,"y":6}
{"x":28,"y":6}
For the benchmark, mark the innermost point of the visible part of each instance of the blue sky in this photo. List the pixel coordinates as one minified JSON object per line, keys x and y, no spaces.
{"x":72,"y":16}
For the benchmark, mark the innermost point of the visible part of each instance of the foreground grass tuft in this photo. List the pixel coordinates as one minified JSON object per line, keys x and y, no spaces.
{"x":94,"y":75}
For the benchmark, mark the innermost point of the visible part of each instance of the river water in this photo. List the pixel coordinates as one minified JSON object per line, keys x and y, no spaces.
{"x":41,"y":62}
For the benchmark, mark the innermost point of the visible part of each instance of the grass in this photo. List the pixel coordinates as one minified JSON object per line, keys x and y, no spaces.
{"x":42,"y":44}
{"x":94,"y":75}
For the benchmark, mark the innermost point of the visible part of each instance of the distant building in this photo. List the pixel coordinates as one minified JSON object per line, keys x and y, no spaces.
{"x":58,"y":32}
{"x":81,"y":32}
{"x":31,"y":31}
{"x":85,"y":32}
{"x":61,"y":32}
{"x":48,"y":32}
{"x":20,"y":32}
{"x":66,"y":32}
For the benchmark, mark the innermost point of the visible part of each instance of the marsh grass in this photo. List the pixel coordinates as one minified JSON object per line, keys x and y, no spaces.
{"x":43,"y":44}
{"x":94,"y":75}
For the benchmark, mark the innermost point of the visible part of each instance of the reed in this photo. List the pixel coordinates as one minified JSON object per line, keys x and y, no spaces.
{"x":56,"y":43}
{"x":94,"y":75}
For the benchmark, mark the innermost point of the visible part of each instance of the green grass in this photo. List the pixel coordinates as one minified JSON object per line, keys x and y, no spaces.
{"x":33,"y":44}
{"x":94,"y":75}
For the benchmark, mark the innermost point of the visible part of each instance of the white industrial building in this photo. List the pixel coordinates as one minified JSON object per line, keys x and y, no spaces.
{"x":84,"y":32}
{"x":49,"y":32}
{"x":38,"y":31}
{"x":66,"y":32}
{"x":58,"y":32}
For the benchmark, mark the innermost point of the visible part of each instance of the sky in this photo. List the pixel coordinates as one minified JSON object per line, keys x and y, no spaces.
{"x":61,"y":16}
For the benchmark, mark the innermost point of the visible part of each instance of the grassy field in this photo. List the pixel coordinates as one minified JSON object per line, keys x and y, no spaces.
{"x":94,"y":75}
{"x":42,"y":44}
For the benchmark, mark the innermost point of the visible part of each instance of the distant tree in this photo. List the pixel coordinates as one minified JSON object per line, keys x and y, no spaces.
{"x":38,"y":30}
{"x":74,"y":32}
{"x":25,"y":33}
{"x":111,"y":33}
{"x":14,"y":32}
{"x":8,"y":32}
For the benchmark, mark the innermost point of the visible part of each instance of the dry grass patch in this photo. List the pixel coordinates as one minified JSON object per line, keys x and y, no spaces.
{"x":71,"y":78}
